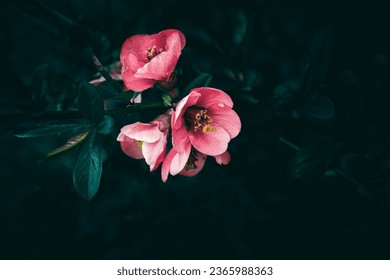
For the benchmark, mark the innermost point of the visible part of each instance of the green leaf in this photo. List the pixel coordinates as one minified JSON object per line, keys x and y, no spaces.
{"x":90,"y":102}
{"x":106,"y":90}
{"x":203,"y":80}
{"x":37,"y":128}
{"x":126,"y":96}
{"x":321,"y":107}
{"x":71,"y":143}
{"x":107,"y":125}
{"x":88,"y":168}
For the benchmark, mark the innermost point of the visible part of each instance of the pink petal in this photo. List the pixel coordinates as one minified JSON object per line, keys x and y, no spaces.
{"x":210,"y":96}
{"x":131,"y":63}
{"x":163,"y":35}
{"x":153,"y":151}
{"x":223,"y":158}
{"x":146,"y":132}
{"x":199,"y":166}
{"x":130,"y":147}
{"x":180,"y":139}
{"x":166,"y":165}
{"x":189,"y":100}
{"x":136,"y":84}
{"x":137,"y":45}
{"x":225,"y":117}
{"x":138,"y":99}
{"x":179,"y":160}
{"x":211,"y":143}
{"x":159,"y":68}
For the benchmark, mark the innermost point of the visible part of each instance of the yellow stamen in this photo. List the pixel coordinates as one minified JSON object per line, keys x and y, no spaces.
{"x":139,"y":144}
{"x":208,"y":128}
{"x":202,"y":119}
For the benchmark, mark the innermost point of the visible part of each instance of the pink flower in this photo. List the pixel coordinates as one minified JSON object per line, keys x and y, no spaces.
{"x":150,"y":59}
{"x":206,"y":120}
{"x":188,"y":163}
{"x":146,"y":140}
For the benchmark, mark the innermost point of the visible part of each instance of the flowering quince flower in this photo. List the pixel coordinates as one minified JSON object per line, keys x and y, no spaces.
{"x":146,"y":140}
{"x":188,"y":163}
{"x":150,"y":59}
{"x":206,"y":120}
{"x":203,"y":124}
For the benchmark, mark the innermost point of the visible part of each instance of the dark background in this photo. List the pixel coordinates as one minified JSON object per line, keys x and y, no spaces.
{"x":315,"y":73}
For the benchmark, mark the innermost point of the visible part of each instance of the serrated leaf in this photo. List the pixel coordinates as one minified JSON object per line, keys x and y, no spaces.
{"x":321,"y":107}
{"x":91,"y":103}
{"x":88,"y":168}
{"x":203,"y":80}
{"x":71,"y":143}
{"x":37,"y":128}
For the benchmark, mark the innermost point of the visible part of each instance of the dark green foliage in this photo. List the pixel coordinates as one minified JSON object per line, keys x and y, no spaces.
{"x":90,"y":103}
{"x":313,"y":161}
{"x":71,"y":143}
{"x":36,"y":128}
{"x":313,"y":72}
{"x":88,"y":167}
{"x":203,"y":80}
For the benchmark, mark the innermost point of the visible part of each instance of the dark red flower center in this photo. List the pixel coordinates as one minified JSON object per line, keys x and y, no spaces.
{"x":197,"y":118}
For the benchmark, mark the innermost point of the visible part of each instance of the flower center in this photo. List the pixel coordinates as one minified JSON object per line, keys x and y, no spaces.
{"x":152,"y":52}
{"x":139,"y":144}
{"x":196,"y":118}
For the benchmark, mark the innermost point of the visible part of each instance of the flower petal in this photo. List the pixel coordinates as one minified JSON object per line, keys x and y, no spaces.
{"x":223,"y":158}
{"x":180,"y":139}
{"x":211,"y":143}
{"x":179,"y":160}
{"x":225,"y":117}
{"x":146,"y":132}
{"x":211,"y":96}
{"x":159,"y":68}
{"x":131,"y":148}
{"x":137,"y":45}
{"x":163,"y":35}
{"x":154,"y":152}
{"x":136,"y":84}
{"x":166,"y":165}
{"x":177,"y":116}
